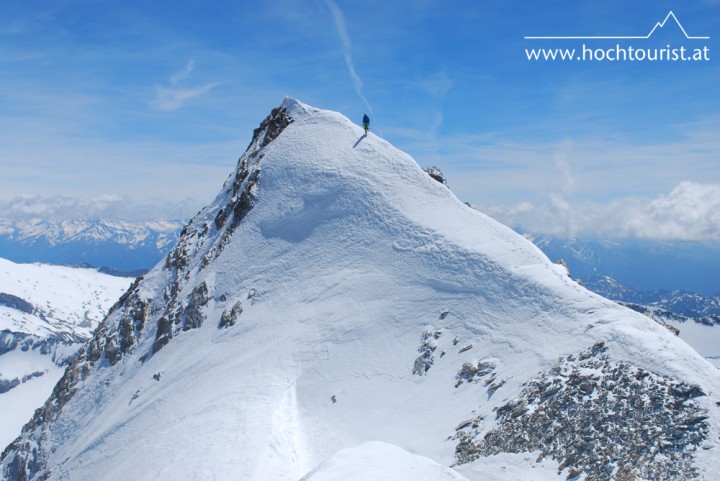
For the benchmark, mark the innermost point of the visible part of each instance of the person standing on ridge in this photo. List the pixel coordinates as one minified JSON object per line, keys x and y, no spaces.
{"x":366,"y":123}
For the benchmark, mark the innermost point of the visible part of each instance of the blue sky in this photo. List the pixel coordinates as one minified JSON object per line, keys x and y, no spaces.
{"x":153,"y":102}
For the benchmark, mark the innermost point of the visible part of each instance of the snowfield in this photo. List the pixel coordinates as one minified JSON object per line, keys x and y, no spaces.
{"x":71,"y":300}
{"x":336,"y":313}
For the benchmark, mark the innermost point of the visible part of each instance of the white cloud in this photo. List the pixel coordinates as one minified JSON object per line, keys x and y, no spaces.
{"x":437,"y":84}
{"x":110,"y":206}
{"x":174,"y":97}
{"x":690,"y":212}
{"x":169,"y":99}
{"x":181,"y":74}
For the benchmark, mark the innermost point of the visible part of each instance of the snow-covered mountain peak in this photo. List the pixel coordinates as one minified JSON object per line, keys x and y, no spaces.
{"x":335,"y":294}
{"x":296,"y":108}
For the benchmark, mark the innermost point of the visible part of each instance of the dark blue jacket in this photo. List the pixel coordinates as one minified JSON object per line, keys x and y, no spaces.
{"x":366,"y":119}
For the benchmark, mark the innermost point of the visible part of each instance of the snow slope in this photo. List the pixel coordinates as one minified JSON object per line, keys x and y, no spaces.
{"x":703,"y":334}
{"x":381,"y":462}
{"x":46,"y":313}
{"x":334,"y":294}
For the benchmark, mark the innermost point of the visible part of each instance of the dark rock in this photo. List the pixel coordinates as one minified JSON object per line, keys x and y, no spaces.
{"x":32,"y":375}
{"x":467,"y":371}
{"x":485,"y":367}
{"x":230,"y":318}
{"x":436,"y":174}
{"x":15,"y":302}
{"x":271,"y":127}
{"x":472,"y":373}
{"x":198,"y":299}
{"x":220,"y":218}
{"x":163,"y":334}
{"x":112,"y":350}
{"x":6,"y":385}
{"x":427,"y":347}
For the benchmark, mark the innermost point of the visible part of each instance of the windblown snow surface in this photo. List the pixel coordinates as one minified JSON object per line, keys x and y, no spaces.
{"x":336,"y":308}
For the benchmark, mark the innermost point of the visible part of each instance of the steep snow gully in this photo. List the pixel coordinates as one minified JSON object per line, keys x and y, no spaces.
{"x":336,"y":309}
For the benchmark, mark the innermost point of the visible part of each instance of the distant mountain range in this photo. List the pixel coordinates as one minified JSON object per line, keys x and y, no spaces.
{"x":677,"y":301}
{"x":645,"y":265}
{"x":119,"y":246}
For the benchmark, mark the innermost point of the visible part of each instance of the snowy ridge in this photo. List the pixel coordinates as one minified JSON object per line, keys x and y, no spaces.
{"x":287,"y":323}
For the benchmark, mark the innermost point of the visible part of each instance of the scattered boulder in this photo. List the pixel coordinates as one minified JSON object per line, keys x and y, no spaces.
{"x":436,"y":174}
{"x":228,"y":319}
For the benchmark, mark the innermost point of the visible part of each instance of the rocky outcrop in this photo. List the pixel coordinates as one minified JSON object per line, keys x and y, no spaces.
{"x":436,"y":174}
{"x":8,"y":384}
{"x":229,"y":319}
{"x":474,"y":372}
{"x":606,"y":419}
{"x":271,"y":127}
{"x":425,"y":360}
{"x":16,"y":302}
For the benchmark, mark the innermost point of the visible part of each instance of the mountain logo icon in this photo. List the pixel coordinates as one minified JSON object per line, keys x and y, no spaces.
{"x":656,"y":27}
